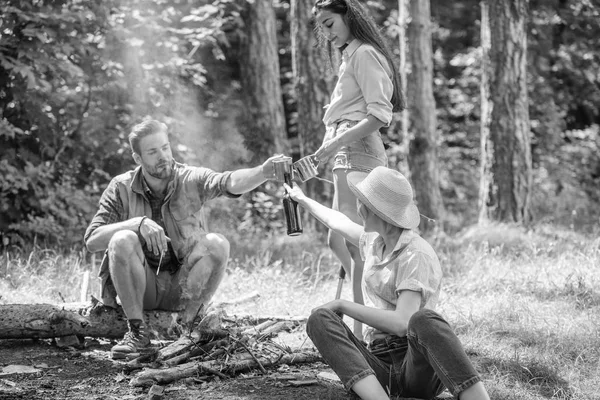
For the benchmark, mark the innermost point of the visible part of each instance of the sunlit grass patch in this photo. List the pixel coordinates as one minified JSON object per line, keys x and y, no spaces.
{"x":45,"y":276}
{"x":540,"y":377}
{"x":525,"y":303}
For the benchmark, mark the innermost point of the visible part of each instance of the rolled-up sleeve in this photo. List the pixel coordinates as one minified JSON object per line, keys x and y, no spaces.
{"x":373,"y":76}
{"x":110,"y":210}
{"x":213,"y":184}
{"x":420,"y":277}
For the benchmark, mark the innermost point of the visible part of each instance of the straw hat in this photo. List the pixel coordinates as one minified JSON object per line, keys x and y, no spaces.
{"x":388,"y":194}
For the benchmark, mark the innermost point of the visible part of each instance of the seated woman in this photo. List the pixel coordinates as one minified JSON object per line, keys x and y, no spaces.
{"x":412,"y":351}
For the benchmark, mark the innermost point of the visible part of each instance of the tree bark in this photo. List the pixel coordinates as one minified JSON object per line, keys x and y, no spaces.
{"x":506,"y":170}
{"x":423,"y":158}
{"x":263,"y":125}
{"x":314,"y":80}
{"x":39,"y":321}
{"x":235,"y":365}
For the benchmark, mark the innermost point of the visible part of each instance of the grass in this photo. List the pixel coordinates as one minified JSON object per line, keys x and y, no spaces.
{"x":525,"y":303}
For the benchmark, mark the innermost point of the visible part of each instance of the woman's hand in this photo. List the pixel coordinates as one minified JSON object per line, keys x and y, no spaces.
{"x":327,"y":150}
{"x":335,"y":306}
{"x":295,"y":192}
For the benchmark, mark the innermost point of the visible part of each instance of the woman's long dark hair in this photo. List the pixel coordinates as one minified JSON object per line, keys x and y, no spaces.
{"x":362,"y":27}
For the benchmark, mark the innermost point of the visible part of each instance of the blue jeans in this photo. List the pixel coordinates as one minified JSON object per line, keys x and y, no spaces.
{"x":429,"y":358}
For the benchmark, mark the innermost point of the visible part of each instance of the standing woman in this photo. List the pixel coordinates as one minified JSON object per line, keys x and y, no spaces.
{"x":366,"y":94}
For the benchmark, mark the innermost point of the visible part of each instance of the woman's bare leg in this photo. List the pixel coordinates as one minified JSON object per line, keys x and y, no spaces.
{"x":345,"y":202}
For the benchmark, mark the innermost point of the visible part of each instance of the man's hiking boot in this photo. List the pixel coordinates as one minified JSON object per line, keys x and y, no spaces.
{"x":135,"y":342}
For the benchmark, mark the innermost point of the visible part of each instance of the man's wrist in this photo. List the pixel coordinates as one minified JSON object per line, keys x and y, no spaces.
{"x":267,"y":171}
{"x":139,"y":227}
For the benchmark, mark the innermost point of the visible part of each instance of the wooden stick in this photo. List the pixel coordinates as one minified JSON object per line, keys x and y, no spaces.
{"x":245,"y":299}
{"x":164,"y":376}
{"x":85,"y":284}
{"x":262,"y":318}
{"x":263,"y":370}
{"x":212,"y":371}
{"x":276,"y":328}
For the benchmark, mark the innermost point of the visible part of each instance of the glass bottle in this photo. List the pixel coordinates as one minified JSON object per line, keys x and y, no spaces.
{"x":291,"y":211}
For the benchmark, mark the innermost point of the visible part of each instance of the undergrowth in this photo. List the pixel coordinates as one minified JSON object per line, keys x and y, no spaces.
{"x":524,"y":302}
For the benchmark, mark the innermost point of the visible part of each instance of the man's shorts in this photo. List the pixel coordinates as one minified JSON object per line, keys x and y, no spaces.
{"x":163,"y":291}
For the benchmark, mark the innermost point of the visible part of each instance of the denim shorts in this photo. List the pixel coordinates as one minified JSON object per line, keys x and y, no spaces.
{"x":361,"y":155}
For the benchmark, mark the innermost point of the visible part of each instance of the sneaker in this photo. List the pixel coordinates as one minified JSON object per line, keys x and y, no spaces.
{"x":134,"y":343}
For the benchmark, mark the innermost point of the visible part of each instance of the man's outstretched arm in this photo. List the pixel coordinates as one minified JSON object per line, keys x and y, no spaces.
{"x":245,"y":179}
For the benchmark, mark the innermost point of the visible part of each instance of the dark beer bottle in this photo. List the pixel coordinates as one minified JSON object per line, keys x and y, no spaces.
{"x":290,"y":210}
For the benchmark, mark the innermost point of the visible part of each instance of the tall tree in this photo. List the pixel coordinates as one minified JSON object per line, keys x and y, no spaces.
{"x":423,"y":158}
{"x":313,"y":82}
{"x":402,"y":19}
{"x":505,"y":187}
{"x":263,"y":125}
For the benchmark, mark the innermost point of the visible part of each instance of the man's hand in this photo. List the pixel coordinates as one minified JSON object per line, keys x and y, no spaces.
{"x":154,"y":235}
{"x":267,"y":167}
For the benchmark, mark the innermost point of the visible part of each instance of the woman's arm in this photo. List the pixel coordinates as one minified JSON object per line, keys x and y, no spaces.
{"x":394,"y":322}
{"x":363,"y":128}
{"x":334,"y":220}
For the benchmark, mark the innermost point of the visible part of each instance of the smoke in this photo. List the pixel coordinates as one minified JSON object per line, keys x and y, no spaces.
{"x":163,"y":83}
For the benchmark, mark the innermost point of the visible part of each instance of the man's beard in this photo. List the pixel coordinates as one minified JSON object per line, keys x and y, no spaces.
{"x":163,"y":170}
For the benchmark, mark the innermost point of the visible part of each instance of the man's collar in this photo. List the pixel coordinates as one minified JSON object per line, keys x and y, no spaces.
{"x":139,"y":184}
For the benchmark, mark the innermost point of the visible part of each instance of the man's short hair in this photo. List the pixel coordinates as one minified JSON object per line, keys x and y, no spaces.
{"x":142,"y":130}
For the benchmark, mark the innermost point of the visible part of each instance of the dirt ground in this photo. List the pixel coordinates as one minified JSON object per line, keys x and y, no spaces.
{"x":40,"y":370}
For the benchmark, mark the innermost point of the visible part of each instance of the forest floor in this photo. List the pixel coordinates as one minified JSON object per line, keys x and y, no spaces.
{"x":525,"y":305}
{"x":47,"y":372}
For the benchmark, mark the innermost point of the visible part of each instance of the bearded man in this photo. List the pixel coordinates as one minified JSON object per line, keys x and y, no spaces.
{"x":151,"y":226}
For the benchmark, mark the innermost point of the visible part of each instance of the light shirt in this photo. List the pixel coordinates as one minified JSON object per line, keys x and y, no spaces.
{"x":412,"y":265}
{"x":364,"y":86}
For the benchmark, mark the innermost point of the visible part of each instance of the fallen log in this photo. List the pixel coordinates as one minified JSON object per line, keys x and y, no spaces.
{"x":164,"y":376}
{"x":41,"y":321}
{"x":44,"y":321}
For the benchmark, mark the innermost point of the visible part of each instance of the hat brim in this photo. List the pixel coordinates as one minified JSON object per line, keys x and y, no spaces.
{"x":408,"y":219}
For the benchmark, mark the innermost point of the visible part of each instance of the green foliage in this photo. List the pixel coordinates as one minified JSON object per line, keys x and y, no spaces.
{"x":75,"y":76}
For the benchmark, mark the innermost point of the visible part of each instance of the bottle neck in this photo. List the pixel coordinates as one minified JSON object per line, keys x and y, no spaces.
{"x":287,"y":178}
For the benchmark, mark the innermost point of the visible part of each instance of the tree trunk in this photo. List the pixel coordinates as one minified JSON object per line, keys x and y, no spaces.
{"x":38,"y":321}
{"x":402,"y":18}
{"x":423,"y":159}
{"x":505,"y":186}
{"x":313,"y":82}
{"x":263,"y":124}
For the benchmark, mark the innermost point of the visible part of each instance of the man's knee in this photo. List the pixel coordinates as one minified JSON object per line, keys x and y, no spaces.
{"x":124,"y":243}
{"x":213,"y":246}
{"x":218,"y":247}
